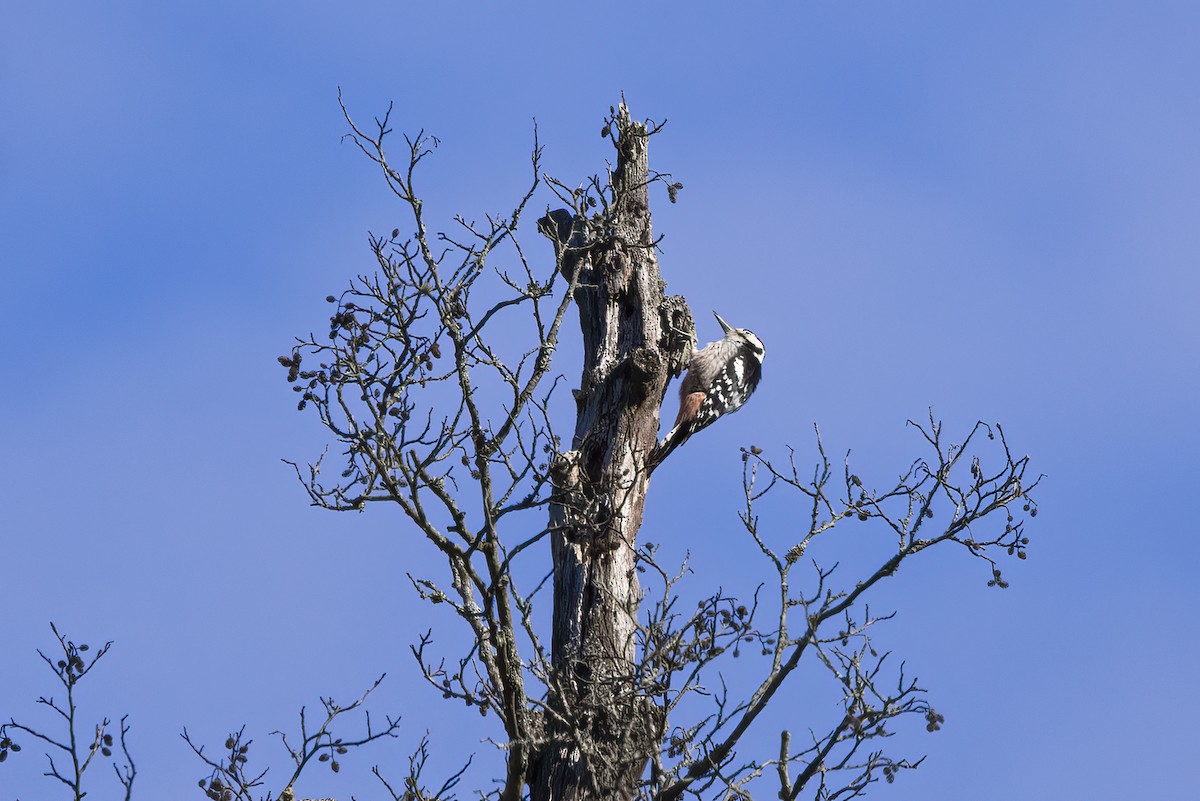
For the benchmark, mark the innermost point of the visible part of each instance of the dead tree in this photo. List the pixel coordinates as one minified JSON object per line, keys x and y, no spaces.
{"x":435,"y":410}
{"x":600,"y":483}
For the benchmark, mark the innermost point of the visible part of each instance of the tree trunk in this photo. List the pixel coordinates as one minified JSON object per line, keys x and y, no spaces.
{"x":600,"y":731}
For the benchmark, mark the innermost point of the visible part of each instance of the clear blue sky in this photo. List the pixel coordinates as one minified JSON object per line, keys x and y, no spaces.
{"x":988,"y":208}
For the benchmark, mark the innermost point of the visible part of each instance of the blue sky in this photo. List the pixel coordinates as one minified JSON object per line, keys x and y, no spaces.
{"x":985,"y":208}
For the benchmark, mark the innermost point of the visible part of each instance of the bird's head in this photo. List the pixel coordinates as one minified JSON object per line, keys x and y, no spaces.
{"x":744,"y":336}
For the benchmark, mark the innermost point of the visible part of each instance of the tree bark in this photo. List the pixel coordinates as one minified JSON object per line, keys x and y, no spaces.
{"x":598,"y":729}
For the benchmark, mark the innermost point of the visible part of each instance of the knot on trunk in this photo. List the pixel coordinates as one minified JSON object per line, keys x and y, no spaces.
{"x":679,"y":333}
{"x":571,"y":238}
{"x":564,"y":472}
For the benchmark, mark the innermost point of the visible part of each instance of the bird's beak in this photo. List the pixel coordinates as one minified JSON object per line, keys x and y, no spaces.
{"x":725,"y":327}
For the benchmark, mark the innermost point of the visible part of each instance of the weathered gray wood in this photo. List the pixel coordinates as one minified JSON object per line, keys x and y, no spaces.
{"x":600,"y":746}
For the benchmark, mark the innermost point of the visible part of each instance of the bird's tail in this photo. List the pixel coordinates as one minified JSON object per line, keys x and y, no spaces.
{"x":665,"y":446}
{"x":685,"y":426}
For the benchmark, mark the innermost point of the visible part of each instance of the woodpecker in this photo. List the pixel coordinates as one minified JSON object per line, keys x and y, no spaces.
{"x":720,"y":378}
